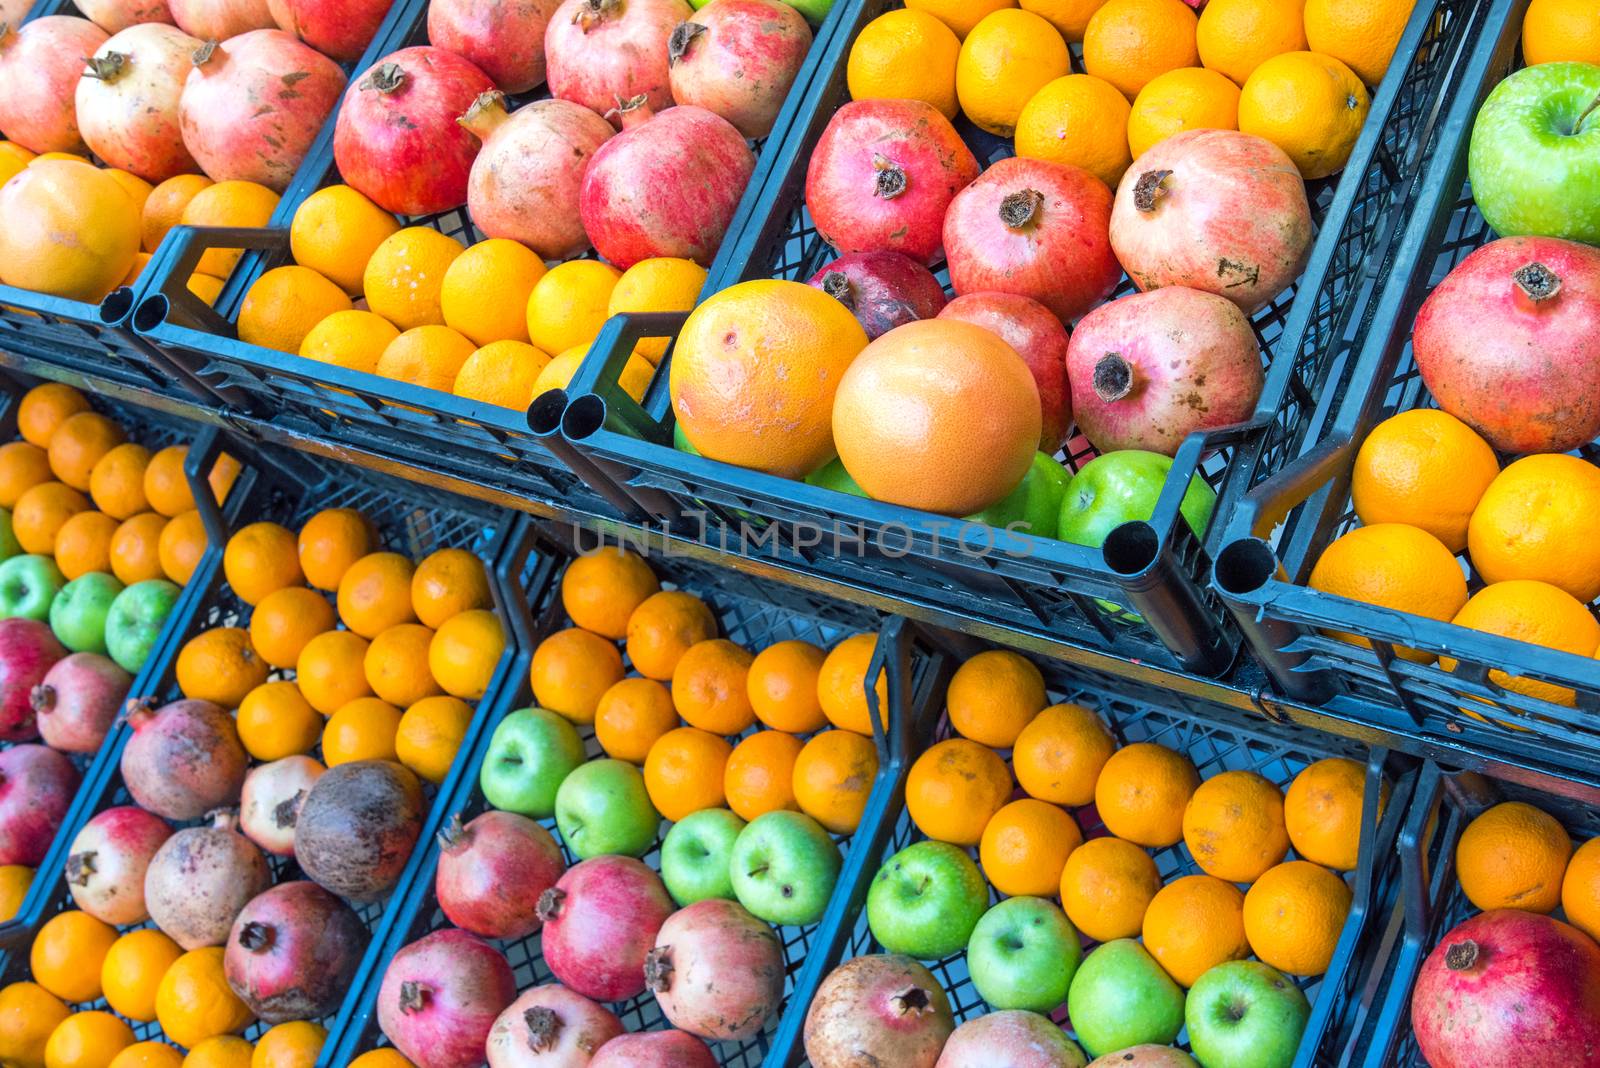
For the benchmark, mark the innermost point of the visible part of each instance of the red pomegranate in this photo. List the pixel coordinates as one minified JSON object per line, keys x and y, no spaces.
{"x":666,"y":186}
{"x":883,"y":175}
{"x":1151,"y":368}
{"x":1037,"y":229}
{"x":1039,"y":338}
{"x":601,"y":919}
{"x":550,"y":1027}
{"x":183,"y":760}
{"x":883,"y":290}
{"x":200,"y":878}
{"x":654,"y":1049}
{"x":1507,"y":989}
{"x":1215,"y":210}
{"x":397,"y":139}
{"x":716,"y":971}
{"x":525,"y":181}
{"x":218,"y":20}
{"x":108,"y":860}
{"x":1510,"y":343}
{"x":28,"y":650}
{"x":114,"y":16}
{"x":357,"y":827}
{"x":339,"y":28}
{"x":1016,"y":1039}
{"x":78,"y":700}
{"x":269,"y":803}
{"x":882,"y":1006}
{"x":39,"y":69}
{"x":127,"y":101}
{"x":492,"y":871}
{"x":293,"y":952}
{"x":738,"y":58}
{"x":36,"y":788}
{"x":440,"y":997}
{"x":600,"y":52}
{"x":505,"y":40}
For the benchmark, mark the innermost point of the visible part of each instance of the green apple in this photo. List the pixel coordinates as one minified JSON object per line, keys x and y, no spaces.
{"x":78,"y":613}
{"x":832,"y":475}
{"x":926,"y":901}
{"x":1122,"y":997}
{"x":602,"y":808}
{"x":28,"y":584}
{"x":680,"y":440}
{"x":814,"y":10}
{"x":1023,"y":955}
{"x":1534,"y":160}
{"x":1246,"y":1015}
{"x":784,"y":868}
{"x":9,"y":546}
{"x":531,"y":753}
{"x":135,"y":620}
{"x":1035,"y":505}
{"x":697,"y":856}
{"x":1122,"y":487}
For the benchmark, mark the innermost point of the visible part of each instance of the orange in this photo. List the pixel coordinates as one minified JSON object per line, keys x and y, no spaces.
{"x":759,"y":776}
{"x":396,"y":665}
{"x":485,"y":292}
{"x":960,"y":15}
{"x":28,"y":1014}
{"x":1580,"y":889}
{"x":953,"y":790}
{"x":1106,"y":887}
{"x":132,"y":971}
{"x":1081,"y":120}
{"x":354,"y":340}
{"x":1004,"y":61}
{"x":660,"y":284}
{"x":1513,"y":856}
{"x":79,"y":443}
{"x":136,"y":548}
{"x":601,"y":589}
{"x":1392,"y":565}
{"x":465,"y":652}
{"x":284,"y":304}
{"x":709,"y":687}
{"x":149,"y":1054}
{"x":905,"y":55}
{"x":87,"y":1040}
{"x":335,"y":231}
{"x":375,"y":593}
{"x":447,"y":583}
{"x":1537,"y":520}
{"x":330,"y":542}
{"x":833,"y":777}
{"x":45,"y":407}
{"x":842,"y":685}
{"x":331,"y":670}
{"x":994,"y":696}
{"x":363,"y":729}
{"x":67,"y":954}
{"x":22,"y":466}
{"x":194,"y":1001}
{"x":663,"y":628}
{"x":1364,"y":34}
{"x":430,"y":734}
{"x":260,"y":559}
{"x":1426,"y":468}
{"x":1308,"y":104}
{"x":1534,"y":612}
{"x":71,"y":230}
{"x":289,"y":1045}
{"x":1130,"y":42}
{"x":220,"y":1051}
{"x":163,"y":208}
{"x":221,"y":666}
{"x":15,"y":879}
{"x":381,"y":1058}
{"x":1069,"y":17}
{"x":230,"y":203}
{"x":1025,"y":848}
{"x":572,"y":669}
{"x":1142,"y":791}
{"x":137,"y":188}
{"x":167,"y":488}
{"x":182,"y":543}
{"x":285,"y":620}
{"x":405,"y":275}
{"x":1234,"y":826}
{"x":1322,"y":811}
{"x":116,"y":482}
{"x":1190,"y":98}
{"x":275,"y":721}
{"x":1059,"y":754}
{"x":631,"y":715}
{"x":502,"y":373}
{"x":1193,"y":924}
{"x":684,"y":770}
{"x":1293,"y":916}
{"x":429,"y":356}
{"x":568,"y":304}
{"x":1236,"y":36}
{"x":41,"y":513}
{"x":83,"y":544}
{"x":782,"y":684}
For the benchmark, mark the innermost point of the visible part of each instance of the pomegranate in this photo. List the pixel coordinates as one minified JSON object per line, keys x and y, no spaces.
{"x":881,"y":1006}
{"x":1215,"y":210}
{"x":28,"y":650}
{"x":440,"y":997}
{"x":77,"y":701}
{"x":1040,"y":339}
{"x":127,"y":101}
{"x":1509,"y":342}
{"x":738,"y":58}
{"x":716,"y":971}
{"x":1147,"y":1055}
{"x":883,"y":290}
{"x":107,"y":862}
{"x":505,"y":40}
{"x":666,"y":186}
{"x":1014,"y":1039}
{"x":550,"y":1027}
{"x":36,"y":788}
{"x":397,"y":139}
{"x":199,"y":880}
{"x":337,"y":28}
{"x":601,"y":919}
{"x":269,"y":804}
{"x":1149,"y":369}
{"x":1507,"y":988}
{"x":114,"y":16}
{"x":183,"y":760}
{"x":524,"y":182}
{"x":39,"y":69}
{"x":492,"y":871}
{"x":598,"y":52}
{"x":883,"y":175}
{"x":357,"y":827}
{"x":656,"y":1049}
{"x":253,"y":104}
{"x":293,"y":952}
{"x":218,"y":20}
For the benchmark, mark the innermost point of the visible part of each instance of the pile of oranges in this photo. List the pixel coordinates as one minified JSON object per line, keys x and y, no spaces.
{"x":1518,"y":856}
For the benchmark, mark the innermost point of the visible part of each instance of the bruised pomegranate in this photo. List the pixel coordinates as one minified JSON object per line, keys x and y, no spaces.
{"x":77,"y":701}
{"x":127,"y":101}
{"x":36,"y":788}
{"x":882,"y":1006}
{"x":600,"y":921}
{"x":600,"y":52}
{"x":655,"y":1049}
{"x":293,"y":952}
{"x":492,"y":871}
{"x":269,"y":804}
{"x":397,"y":139}
{"x":716,"y":971}
{"x":357,"y":827}
{"x":504,"y":39}
{"x":28,"y":650}
{"x":199,"y":880}
{"x":218,"y":20}
{"x":1015,"y":1039}
{"x":1151,"y":368}
{"x":440,"y":997}
{"x":738,"y":58}
{"x":339,"y":28}
{"x":883,"y":290}
{"x":550,"y":1027}
{"x":108,"y":860}
{"x":1040,"y":339}
{"x":114,"y":16}
{"x":525,"y":181}
{"x":1509,"y":342}
{"x":1216,"y":210}
{"x":184,"y":759}
{"x":1506,"y":988}
{"x":883,"y":175}
{"x":40,"y":64}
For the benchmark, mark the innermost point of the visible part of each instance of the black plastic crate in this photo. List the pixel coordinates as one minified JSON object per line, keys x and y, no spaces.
{"x":1047,"y":588}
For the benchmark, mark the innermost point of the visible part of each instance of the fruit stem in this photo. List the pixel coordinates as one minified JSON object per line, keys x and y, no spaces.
{"x":286,"y":813}
{"x":1594,"y":105}
{"x":1535,"y":284}
{"x":634,"y":111}
{"x":256,"y":937}
{"x":913,"y":1001}
{"x":385,"y":78}
{"x":485,"y":114}
{"x":203,"y":54}
{"x":544,"y":1028}
{"x":591,"y":13}
{"x":1148,"y":190}
{"x":1461,"y":956}
{"x":136,"y":710}
{"x":452,"y":834}
{"x":413,"y":997}
{"x":224,"y":819}
{"x":79,"y":867}
{"x":1020,"y":210}
{"x":837,"y":285}
{"x":891,"y":178}
{"x":684,"y":35}
{"x":1113,"y":377}
{"x":549,"y":906}
{"x":106,"y":68}
{"x":42,"y":698}
{"x":658,"y":969}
